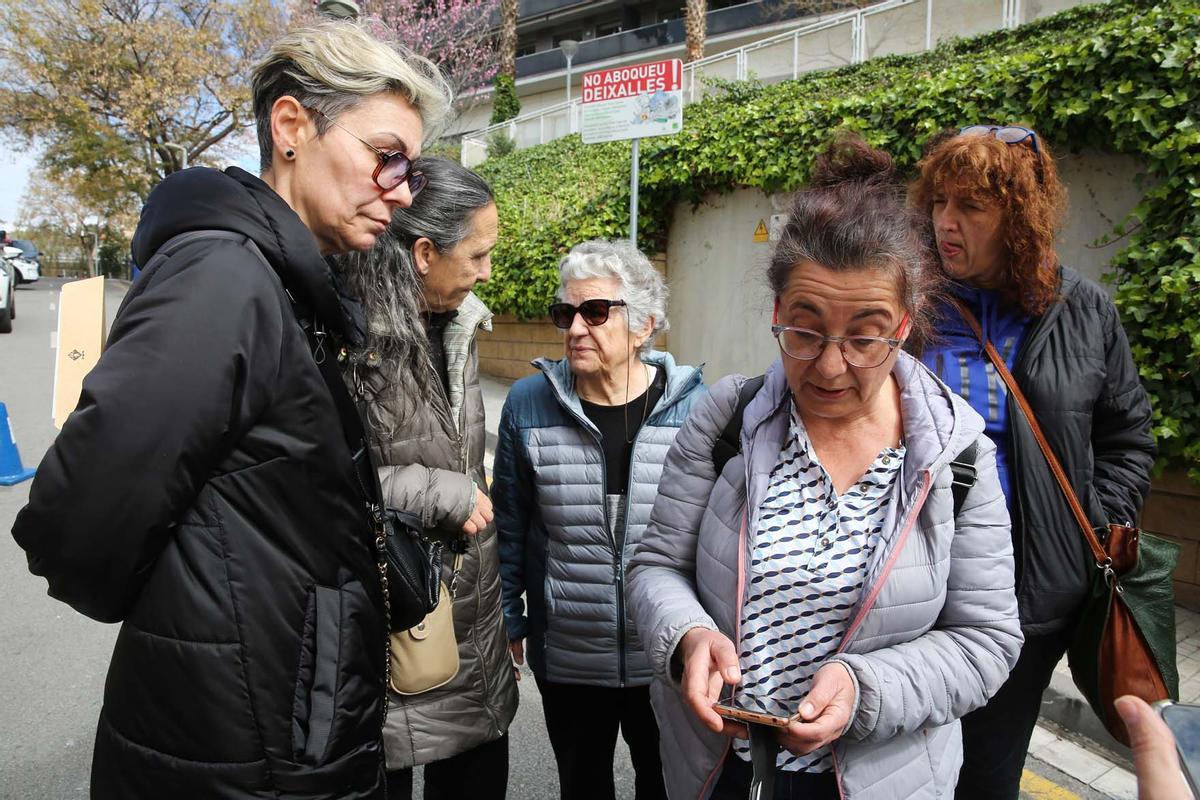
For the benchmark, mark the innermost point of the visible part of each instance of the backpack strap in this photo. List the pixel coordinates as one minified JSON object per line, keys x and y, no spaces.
{"x":962,"y":470}
{"x":729,"y":443}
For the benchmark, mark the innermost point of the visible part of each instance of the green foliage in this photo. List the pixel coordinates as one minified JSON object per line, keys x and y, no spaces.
{"x":112,"y":257}
{"x":505,"y":103}
{"x":499,"y":144}
{"x":448,"y":148}
{"x":1121,"y":77}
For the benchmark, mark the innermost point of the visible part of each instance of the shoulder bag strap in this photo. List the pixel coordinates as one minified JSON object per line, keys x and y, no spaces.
{"x":1081,"y":518}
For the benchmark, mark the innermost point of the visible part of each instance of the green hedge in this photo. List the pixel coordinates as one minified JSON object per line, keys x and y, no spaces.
{"x":1121,"y":77}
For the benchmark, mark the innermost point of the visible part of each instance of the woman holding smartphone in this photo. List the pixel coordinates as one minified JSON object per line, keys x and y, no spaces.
{"x":827,"y":570}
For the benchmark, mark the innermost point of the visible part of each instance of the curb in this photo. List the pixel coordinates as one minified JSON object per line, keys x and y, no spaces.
{"x":1064,"y":705}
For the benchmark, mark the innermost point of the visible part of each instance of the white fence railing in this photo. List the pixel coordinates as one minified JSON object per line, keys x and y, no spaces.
{"x":849,"y":37}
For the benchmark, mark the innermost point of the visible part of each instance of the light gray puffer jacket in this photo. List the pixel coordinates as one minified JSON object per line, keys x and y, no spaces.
{"x":555,"y":547}
{"x":935,"y":632}
{"x":431,"y":465}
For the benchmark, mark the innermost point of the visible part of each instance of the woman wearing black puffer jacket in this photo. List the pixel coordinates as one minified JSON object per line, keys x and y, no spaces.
{"x":995,"y":201}
{"x":202,"y":493}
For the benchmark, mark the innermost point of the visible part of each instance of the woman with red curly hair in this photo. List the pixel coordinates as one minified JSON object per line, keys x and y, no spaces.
{"x":995,"y":202}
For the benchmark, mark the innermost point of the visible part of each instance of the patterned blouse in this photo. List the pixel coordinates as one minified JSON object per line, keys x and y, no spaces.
{"x":808,"y":563}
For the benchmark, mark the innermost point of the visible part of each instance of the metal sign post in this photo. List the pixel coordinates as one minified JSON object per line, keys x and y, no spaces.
{"x":632,"y":102}
{"x":633,"y":195}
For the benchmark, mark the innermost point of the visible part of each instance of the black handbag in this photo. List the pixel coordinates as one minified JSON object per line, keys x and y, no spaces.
{"x":410,"y":563}
{"x":414,"y":569}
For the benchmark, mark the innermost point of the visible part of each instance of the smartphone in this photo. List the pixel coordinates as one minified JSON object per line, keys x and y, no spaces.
{"x":1184,"y":721}
{"x":759,"y":710}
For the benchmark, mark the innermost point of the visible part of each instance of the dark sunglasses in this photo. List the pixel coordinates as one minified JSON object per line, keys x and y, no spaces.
{"x":594,"y":312}
{"x":1009,"y":134}
{"x":393,"y":169}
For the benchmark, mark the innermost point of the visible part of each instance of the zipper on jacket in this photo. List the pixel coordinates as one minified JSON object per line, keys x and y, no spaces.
{"x":483,"y":667}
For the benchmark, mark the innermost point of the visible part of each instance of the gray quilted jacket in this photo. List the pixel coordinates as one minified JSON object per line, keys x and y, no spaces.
{"x":935,"y":632}
{"x":430,"y":465}
{"x":555,"y":548}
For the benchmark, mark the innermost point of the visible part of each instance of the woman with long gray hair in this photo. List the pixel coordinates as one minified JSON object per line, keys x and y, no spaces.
{"x":580,"y":450}
{"x":425,"y":407}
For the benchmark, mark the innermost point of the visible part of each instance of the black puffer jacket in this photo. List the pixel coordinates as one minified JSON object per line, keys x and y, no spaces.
{"x":1076,"y":370}
{"x":202,"y":494}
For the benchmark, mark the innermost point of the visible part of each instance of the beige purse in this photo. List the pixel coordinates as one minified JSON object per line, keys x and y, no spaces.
{"x":425,"y":656}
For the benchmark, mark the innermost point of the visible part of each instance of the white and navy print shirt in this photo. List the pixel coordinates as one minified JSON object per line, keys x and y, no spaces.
{"x":808,"y":564}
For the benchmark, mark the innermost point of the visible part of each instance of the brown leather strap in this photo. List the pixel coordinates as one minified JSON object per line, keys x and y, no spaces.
{"x":1081,"y":518}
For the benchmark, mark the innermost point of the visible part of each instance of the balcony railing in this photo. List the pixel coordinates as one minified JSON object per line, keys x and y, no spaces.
{"x":849,"y":37}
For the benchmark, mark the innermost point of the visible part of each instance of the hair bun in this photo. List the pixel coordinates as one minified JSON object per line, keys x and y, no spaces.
{"x":849,"y":159}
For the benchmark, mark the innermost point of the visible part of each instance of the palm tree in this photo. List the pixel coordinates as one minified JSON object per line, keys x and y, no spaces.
{"x":696,"y":26}
{"x":508,"y":38}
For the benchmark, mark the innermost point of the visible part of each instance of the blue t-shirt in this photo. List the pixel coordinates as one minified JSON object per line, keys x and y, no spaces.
{"x":958,"y":358}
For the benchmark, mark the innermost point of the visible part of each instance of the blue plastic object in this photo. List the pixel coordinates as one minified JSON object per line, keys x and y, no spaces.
{"x":11,"y":471}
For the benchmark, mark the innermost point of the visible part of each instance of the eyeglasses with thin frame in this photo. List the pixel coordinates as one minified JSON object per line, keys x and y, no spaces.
{"x":393,"y":169}
{"x":1009,"y":134}
{"x":863,"y":352}
{"x":594,"y":312}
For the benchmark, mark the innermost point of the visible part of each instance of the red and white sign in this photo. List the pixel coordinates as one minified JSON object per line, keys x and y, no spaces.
{"x":633,"y":102}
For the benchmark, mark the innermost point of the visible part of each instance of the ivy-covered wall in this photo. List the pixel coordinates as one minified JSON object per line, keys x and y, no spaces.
{"x":1120,"y":77}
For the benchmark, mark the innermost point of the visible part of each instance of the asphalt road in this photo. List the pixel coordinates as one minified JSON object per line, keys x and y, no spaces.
{"x":53,"y":660}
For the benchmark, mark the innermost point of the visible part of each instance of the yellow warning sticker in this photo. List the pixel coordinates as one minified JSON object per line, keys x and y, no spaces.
{"x":760,"y":232}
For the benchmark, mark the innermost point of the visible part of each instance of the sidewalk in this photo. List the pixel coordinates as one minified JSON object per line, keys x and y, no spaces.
{"x":1069,"y":738}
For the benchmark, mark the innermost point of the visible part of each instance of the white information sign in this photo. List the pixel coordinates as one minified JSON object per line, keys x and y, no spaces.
{"x":632,"y":102}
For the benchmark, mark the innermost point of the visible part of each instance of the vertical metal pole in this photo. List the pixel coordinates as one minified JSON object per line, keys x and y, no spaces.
{"x":796,"y":55}
{"x":568,"y":81}
{"x":928,"y":24}
{"x":633,"y":195}
{"x":542,"y":128}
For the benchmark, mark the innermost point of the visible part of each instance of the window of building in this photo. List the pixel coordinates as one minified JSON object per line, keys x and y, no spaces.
{"x":668,"y":14}
{"x":526,"y":48}
{"x":608,"y":28}
{"x":579,"y":36}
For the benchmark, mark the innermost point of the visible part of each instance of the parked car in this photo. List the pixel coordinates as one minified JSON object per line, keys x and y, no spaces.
{"x":28,"y":262}
{"x":8,"y":294}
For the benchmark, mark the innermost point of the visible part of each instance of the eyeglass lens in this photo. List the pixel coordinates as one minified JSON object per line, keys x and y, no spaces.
{"x":594,"y":312}
{"x":859,"y":351}
{"x":396,"y":170}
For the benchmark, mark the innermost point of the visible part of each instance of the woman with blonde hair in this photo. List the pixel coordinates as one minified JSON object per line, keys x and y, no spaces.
{"x":203,"y":493}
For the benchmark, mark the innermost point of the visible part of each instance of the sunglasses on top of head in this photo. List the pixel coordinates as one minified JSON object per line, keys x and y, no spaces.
{"x":1009,"y":134}
{"x":594,"y":312}
{"x":393,"y":169}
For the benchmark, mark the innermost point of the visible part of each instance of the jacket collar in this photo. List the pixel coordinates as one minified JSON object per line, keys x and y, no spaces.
{"x":1068,"y":281}
{"x":473,"y":313}
{"x":680,"y":380}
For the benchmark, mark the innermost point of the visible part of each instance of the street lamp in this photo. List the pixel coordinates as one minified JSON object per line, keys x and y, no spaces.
{"x":338,"y":9}
{"x":569,"y":48}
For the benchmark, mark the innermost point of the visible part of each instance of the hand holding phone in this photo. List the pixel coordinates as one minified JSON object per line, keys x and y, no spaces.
{"x":824,"y":713}
{"x":1163,"y":749}
{"x":709,"y":663}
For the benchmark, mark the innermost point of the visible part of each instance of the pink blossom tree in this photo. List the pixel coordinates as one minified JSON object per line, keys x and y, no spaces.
{"x":457,"y":35}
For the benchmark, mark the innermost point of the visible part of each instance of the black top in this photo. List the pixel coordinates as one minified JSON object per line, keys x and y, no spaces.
{"x":435,"y":327}
{"x":619,"y":426}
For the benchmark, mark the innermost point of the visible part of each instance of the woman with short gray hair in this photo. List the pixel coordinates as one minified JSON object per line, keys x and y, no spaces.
{"x":580,"y":450}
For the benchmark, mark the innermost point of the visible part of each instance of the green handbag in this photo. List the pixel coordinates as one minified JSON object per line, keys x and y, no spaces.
{"x":1125,"y":640}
